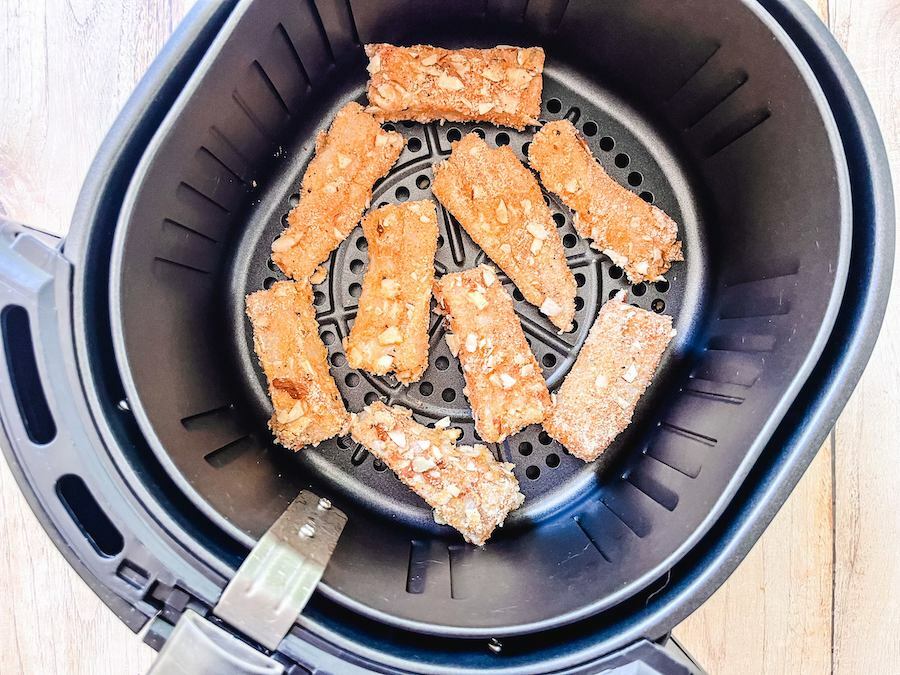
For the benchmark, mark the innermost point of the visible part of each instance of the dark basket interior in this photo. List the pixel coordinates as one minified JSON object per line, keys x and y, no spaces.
{"x":714,"y":120}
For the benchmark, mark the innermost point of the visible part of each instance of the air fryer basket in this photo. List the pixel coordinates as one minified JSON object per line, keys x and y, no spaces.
{"x":706,"y":108}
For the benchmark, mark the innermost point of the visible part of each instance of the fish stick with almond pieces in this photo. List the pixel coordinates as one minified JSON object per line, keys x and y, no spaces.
{"x":307,"y":406}
{"x":501,"y":85}
{"x":500,"y":204}
{"x":466,"y":486}
{"x":504,"y":384}
{"x":614,"y":367}
{"x":390,"y":332}
{"x":637,"y":236}
{"x":336,"y":189}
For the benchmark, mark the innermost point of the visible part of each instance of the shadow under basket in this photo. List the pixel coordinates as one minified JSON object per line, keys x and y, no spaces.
{"x":717,"y":112}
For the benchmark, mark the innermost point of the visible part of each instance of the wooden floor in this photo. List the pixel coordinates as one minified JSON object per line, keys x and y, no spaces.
{"x":819,"y":593}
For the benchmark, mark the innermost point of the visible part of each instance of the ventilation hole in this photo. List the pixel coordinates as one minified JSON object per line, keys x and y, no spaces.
{"x":570,"y":240}
{"x":318,"y":298}
{"x":635,"y":178}
{"x":271,"y":265}
{"x":533,"y":473}
{"x":552,"y":460}
{"x":284,"y":220}
{"x":478,"y":131}
{"x":517,"y":295}
{"x":579,"y":304}
{"x":646,"y":196}
{"x":359,"y":456}
{"x":338,"y":359}
{"x":449,"y":395}
{"x":525,"y":448}
{"x":554,"y":105}
{"x":622,"y":160}
{"x":409,"y":124}
{"x":414,"y":144}
{"x":662,"y":285}
{"x":544,"y":438}
{"x":23,"y":372}
{"x":422,"y":182}
{"x":268,"y":282}
{"x":615,"y":272}
{"x":370,"y":398}
{"x":352,"y":380}
{"x":402,"y":194}
{"x":590,"y":128}
{"x":362,"y":244}
{"x":501,"y":139}
{"x":549,"y":360}
{"x":426,"y":388}
{"x":579,"y":280}
{"x":88,"y":516}
{"x":440,"y":240}
{"x":525,"y":147}
{"x":378,"y":465}
{"x":547,"y":200}
{"x":389,"y":127}
{"x":607,"y":143}
{"x":294,"y":199}
{"x":613,"y":293}
{"x":639,"y":289}
{"x":355,"y":290}
{"x":453,"y":134}
{"x":356,"y":266}
{"x":328,"y":337}
{"x":442,"y":363}
{"x":559,"y":219}
{"x":658,"y":305}
{"x":573,"y":114}
{"x":574,"y":325}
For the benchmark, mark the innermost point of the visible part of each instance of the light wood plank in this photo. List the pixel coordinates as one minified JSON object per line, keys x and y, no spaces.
{"x":867,"y":498}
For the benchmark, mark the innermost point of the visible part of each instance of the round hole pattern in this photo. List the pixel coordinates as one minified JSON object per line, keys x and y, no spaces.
{"x":559,"y":219}
{"x":590,"y":129}
{"x":453,"y":134}
{"x":548,"y":360}
{"x":362,"y":244}
{"x":370,"y":398}
{"x":552,"y":460}
{"x":554,"y":105}
{"x":607,"y":143}
{"x":662,"y":285}
{"x":580,"y":280}
{"x":401,"y":193}
{"x":478,"y":131}
{"x":269,"y":281}
{"x":647,"y":196}
{"x":639,"y":289}
{"x":622,"y":160}
{"x":517,"y":295}
{"x":328,"y":337}
{"x":615,"y":272}
{"x":423,"y":182}
{"x":294,"y":199}
{"x":570,"y":240}
{"x":389,"y":127}
{"x":378,"y":465}
{"x":658,"y":305}
{"x":525,"y":448}
{"x":352,"y":380}
{"x":426,"y":388}
{"x":579,"y":303}
{"x":356,"y":266}
{"x":635,"y":178}
{"x":355,"y":290}
{"x":318,"y":298}
{"x":449,"y":395}
{"x":525,"y":147}
{"x":414,"y":144}
{"x":502,"y":138}
{"x":338,"y":359}
{"x":442,"y":363}
{"x":544,"y":438}
{"x":533,"y":472}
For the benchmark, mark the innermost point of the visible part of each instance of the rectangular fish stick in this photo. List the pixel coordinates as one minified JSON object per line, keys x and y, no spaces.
{"x":307,"y":406}
{"x":503,"y":381}
{"x":637,"y":236}
{"x":391,"y":328}
{"x":615,"y":366}
{"x":499,"y":203}
{"x":422,"y":83}
{"x":467,"y":488}
{"x":336,"y":189}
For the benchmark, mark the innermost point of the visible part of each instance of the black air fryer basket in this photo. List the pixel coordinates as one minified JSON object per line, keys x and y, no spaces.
{"x":135,"y":413}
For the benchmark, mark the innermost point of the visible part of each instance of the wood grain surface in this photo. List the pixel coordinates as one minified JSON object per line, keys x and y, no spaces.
{"x":817,"y":594}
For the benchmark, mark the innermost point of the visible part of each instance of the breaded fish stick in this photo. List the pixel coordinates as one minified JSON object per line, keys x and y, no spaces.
{"x":503,"y":382}
{"x":336,"y":189}
{"x":391,"y":328}
{"x":637,"y":236}
{"x":500,"y":205}
{"x":500,"y":85}
{"x":613,"y":369}
{"x":308,"y":407}
{"x":467,"y":488}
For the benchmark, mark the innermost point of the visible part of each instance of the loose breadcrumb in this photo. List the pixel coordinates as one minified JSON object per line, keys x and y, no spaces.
{"x":614,"y":368}
{"x":637,"y":236}
{"x":499,"y":203}
{"x":467,"y":488}
{"x":307,"y":406}
{"x":503,"y":381}
{"x":336,"y":189}
{"x":422,"y":83}
{"x":390,"y":332}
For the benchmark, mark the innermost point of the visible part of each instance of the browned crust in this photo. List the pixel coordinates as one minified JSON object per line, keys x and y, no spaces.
{"x":390,"y":332}
{"x":336,"y":189}
{"x":614,"y":368}
{"x":467,"y":488}
{"x":501,"y":85}
{"x":637,"y":236}
{"x":499,"y":203}
{"x":307,"y":406}
{"x":503,"y":381}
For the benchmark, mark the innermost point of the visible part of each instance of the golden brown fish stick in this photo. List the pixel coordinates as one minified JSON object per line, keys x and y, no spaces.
{"x":391,"y":328}
{"x":613,"y":369}
{"x":637,"y":236}
{"x":336,"y":189}
{"x":500,"y":205}
{"x":467,"y":488}
{"x":503,"y":382}
{"x":308,"y":407}
{"x":422,"y":83}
